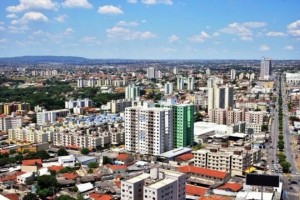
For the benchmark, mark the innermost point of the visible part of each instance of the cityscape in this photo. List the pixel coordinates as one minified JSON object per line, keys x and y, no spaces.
{"x":149,"y":100}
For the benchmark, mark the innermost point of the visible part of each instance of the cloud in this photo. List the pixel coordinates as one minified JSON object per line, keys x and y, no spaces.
{"x":173,"y":38}
{"x":61,"y":18}
{"x":275,"y":34}
{"x":243,"y":30}
{"x":33,"y":4}
{"x":294,"y":28}
{"x":127,"y":23}
{"x":109,"y":10}
{"x":288,"y":47}
{"x":132,"y":1}
{"x":264,"y":48}
{"x":2,"y":28}
{"x":18,"y":29}
{"x":34,"y":16}
{"x":200,"y":38}
{"x":122,"y":33}
{"x":216,"y":34}
{"x":3,"y":40}
{"x":12,"y":16}
{"x":68,"y":31}
{"x":90,"y":40}
{"x":153,"y":2}
{"x":76,"y":4}
{"x":168,"y":50}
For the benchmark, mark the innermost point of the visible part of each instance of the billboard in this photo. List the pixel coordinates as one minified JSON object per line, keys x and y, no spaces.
{"x":262,"y":180}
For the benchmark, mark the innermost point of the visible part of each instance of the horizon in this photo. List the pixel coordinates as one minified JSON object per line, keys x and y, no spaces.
{"x":151,"y":29}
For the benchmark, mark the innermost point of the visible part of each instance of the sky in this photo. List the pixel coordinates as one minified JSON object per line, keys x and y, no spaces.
{"x":151,"y":29}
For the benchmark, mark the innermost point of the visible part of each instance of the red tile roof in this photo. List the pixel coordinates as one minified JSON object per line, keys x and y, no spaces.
{"x":12,"y":196}
{"x":185,"y":157}
{"x":235,"y":187}
{"x":118,"y":184}
{"x":202,"y":171}
{"x":56,"y":168}
{"x":117,"y":167}
{"x":122,"y":156}
{"x":215,"y":197}
{"x":195,"y":190}
{"x":70,"y":176}
{"x":95,"y":196}
{"x":32,"y":162}
{"x":12,"y":177}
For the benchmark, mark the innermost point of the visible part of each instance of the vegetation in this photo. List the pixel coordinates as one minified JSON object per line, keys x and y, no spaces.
{"x":85,"y":151}
{"x":93,"y":165}
{"x":30,"y":196}
{"x":67,"y":170}
{"x":62,"y":152}
{"x":107,"y":160}
{"x":65,"y":197}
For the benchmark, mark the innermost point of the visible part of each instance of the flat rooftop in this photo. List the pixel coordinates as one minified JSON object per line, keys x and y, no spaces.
{"x":138,"y":178}
{"x":175,"y":152}
{"x":161,"y":183}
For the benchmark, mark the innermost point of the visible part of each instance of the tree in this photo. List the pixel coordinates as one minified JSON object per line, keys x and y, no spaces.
{"x":264,"y":127}
{"x":66,"y":170}
{"x":280,"y":137}
{"x":12,"y":151}
{"x":280,"y":146}
{"x":285,"y":166}
{"x":43,"y":155}
{"x":65,"y":197}
{"x":62,"y":152}
{"x":106,"y":160}
{"x":43,"y":193}
{"x":85,"y":151}
{"x":30,"y":196}
{"x":46,"y":181}
{"x":93,"y":165}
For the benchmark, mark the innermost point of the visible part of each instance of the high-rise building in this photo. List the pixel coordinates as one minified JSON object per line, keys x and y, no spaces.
{"x":132,"y":92}
{"x":232,"y":74}
{"x":80,"y":103}
{"x":180,"y":83}
{"x":266,"y":69}
{"x":175,"y":70}
{"x":208,"y":71}
{"x":80,"y":82}
{"x":168,"y":88}
{"x":151,"y":72}
{"x":10,"y":122}
{"x":148,"y":130}
{"x":9,"y":108}
{"x":191,"y":83}
{"x":220,"y":97}
{"x":91,"y":82}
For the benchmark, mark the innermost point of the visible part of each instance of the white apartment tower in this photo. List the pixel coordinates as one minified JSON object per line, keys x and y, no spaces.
{"x":266,"y":69}
{"x":169,"y":88}
{"x":175,"y":70}
{"x":151,"y":72}
{"x":80,"y":82}
{"x":191,"y":83}
{"x":132,"y":92}
{"x":232,"y":74}
{"x":148,"y":130}
{"x":220,"y":97}
{"x":208,"y":71}
{"x":180,"y":83}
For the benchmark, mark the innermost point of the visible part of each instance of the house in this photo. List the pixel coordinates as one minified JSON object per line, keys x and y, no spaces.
{"x":85,"y":160}
{"x":185,"y":159}
{"x":55,"y":168}
{"x":96,"y":196}
{"x":67,"y":161}
{"x":32,"y":165}
{"x":25,"y":178}
{"x":85,"y":187}
{"x":117,"y":169}
{"x":195,"y":190}
{"x":125,"y":159}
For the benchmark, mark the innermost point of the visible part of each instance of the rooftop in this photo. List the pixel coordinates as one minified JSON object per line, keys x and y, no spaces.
{"x":32,"y":162}
{"x":175,"y":152}
{"x":202,"y":171}
{"x":138,"y":178}
{"x":161,"y":183}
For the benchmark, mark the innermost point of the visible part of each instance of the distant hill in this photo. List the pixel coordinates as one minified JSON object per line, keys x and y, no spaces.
{"x":61,"y":60}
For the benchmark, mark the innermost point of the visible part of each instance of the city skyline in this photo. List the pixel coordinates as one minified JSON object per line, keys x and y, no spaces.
{"x":151,"y":29}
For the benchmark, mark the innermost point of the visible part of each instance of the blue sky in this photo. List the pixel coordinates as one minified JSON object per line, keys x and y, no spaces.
{"x":151,"y":29}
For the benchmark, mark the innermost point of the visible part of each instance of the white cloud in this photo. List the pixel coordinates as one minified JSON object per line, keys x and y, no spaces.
{"x":216,"y":34}
{"x":77,"y":4}
{"x":68,"y":31}
{"x":275,"y":34}
{"x":117,"y":32}
{"x":61,"y":18}
{"x":127,"y":23}
{"x":33,"y":4}
{"x":1,"y":22}
{"x":264,"y":48}
{"x":34,"y":16}
{"x":288,"y":47}
{"x":3,"y":40}
{"x":12,"y":16}
{"x":294,"y":28}
{"x":110,"y":10}
{"x":173,"y":38}
{"x":243,"y":30}
{"x":153,"y":2}
{"x":2,"y":28}
{"x":90,"y":40}
{"x":132,"y":1}
{"x":200,"y":38}
{"x":168,"y":50}
{"x":18,"y":29}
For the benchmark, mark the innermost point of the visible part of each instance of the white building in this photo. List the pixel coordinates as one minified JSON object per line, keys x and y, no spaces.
{"x":10,"y":122}
{"x":293,"y":79}
{"x":132,"y":92}
{"x":169,"y":88}
{"x":80,"y":82}
{"x":266,"y":69}
{"x":151,"y":72}
{"x":180,"y":83}
{"x":45,"y":117}
{"x":80,"y":103}
{"x":220,"y":97}
{"x":191,"y":83}
{"x":148,"y":130}
{"x":175,"y":70}
{"x":67,"y":161}
{"x":232,"y":74}
{"x":207,"y":71}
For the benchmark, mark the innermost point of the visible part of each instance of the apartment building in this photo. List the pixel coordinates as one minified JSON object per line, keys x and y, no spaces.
{"x":148,"y":130}
{"x":46,"y":117}
{"x":10,"y":122}
{"x":159,"y":184}
{"x":220,"y":97}
{"x":256,"y":117}
{"x":132,"y":92}
{"x":231,"y":160}
{"x":169,"y":88}
{"x":9,"y":108}
{"x":29,"y":135}
{"x":116,"y":106}
{"x":252,"y":128}
{"x":226,"y":117}
{"x":80,"y":103}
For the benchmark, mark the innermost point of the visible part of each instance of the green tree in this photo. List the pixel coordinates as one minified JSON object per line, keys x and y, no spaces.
{"x":264,"y":127}
{"x":280,"y":137}
{"x":30,"y":196}
{"x":65,"y":197}
{"x":93,"y":165}
{"x":12,"y":152}
{"x":106,"y":160}
{"x":43,"y":155}
{"x":62,"y":152}
{"x":46,"y":181}
{"x":285,"y":166}
{"x":85,"y":151}
{"x":66,"y":170}
{"x":43,"y":193}
{"x":280,"y":146}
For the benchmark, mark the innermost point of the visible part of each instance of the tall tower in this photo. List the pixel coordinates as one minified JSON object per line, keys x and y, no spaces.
{"x":169,"y":88}
{"x":132,"y":92}
{"x":80,"y":82}
{"x":180,"y":83}
{"x":232,"y":74}
{"x":191,"y":83}
{"x":151,"y":72}
{"x":266,"y":69}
